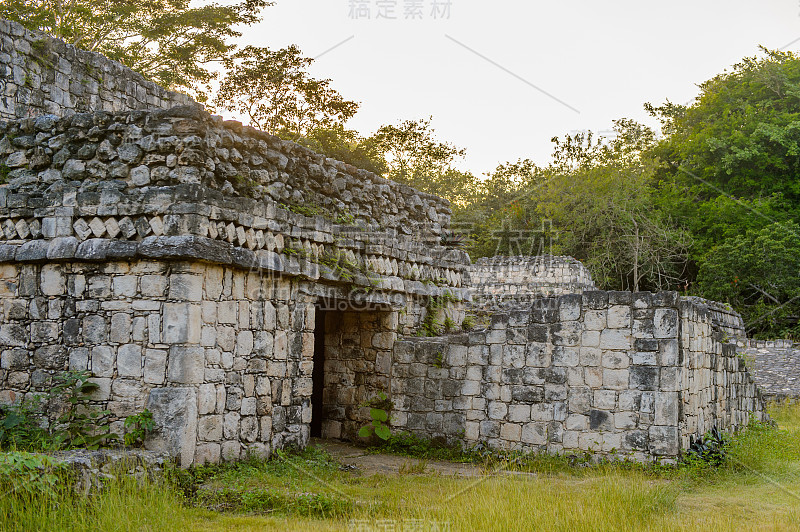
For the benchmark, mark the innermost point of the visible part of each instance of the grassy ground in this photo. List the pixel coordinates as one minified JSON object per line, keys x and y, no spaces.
{"x":758,"y":488}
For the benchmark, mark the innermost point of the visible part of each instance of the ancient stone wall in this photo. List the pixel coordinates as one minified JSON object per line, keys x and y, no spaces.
{"x":188,"y":146}
{"x":41,"y":75}
{"x":724,"y":319}
{"x":504,"y":283}
{"x":190,"y":341}
{"x":614,"y":372}
{"x":717,"y":388}
{"x":198,"y":303}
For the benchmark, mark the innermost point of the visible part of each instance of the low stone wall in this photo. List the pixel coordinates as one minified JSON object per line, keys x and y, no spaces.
{"x":724,"y":319}
{"x":42,"y":75}
{"x":775,"y":365}
{"x":504,"y":283}
{"x":718,"y":390}
{"x":614,"y":372}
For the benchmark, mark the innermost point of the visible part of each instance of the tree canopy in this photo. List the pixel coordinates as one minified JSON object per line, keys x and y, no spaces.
{"x":415,"y":156}
{"x":274,"y":90}
{"x":167,"y":41}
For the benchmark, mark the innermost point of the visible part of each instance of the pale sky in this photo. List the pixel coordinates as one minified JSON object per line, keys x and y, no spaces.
{"x":501,"y":78}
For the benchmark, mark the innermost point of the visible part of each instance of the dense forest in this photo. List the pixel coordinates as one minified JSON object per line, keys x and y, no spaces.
{"x":708,"y":205}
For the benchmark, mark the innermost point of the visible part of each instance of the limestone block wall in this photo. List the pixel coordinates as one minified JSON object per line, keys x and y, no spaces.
{"x":718,"y":389}
{"x":502,"y":283}
{"x":724,"y":319}
{"x":225,"y":373}
{"x":104,"y":228}
{"x":42,"y":75}
{"x":614,"y":372}
{"x":428,"y":388}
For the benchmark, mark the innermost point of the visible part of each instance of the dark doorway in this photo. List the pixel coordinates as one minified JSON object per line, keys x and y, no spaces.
{"x":318,"y":374}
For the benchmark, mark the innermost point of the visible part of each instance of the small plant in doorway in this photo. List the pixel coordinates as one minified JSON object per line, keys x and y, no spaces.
{"x":379,"y":412}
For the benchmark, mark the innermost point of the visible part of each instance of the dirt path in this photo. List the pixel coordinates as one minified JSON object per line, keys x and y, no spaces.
{"x":387,"y":464}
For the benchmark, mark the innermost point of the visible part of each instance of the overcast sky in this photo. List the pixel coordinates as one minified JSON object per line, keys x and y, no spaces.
{"x":502,"y":77}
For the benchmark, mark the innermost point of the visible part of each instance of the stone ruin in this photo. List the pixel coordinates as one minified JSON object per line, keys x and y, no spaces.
{"x":253,"y":294}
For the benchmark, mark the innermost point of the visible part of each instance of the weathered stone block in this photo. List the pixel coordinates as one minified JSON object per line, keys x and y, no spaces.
{"x":618,"y":339}
{"x":186,"y":365}
{"x":129,"y":360}
{"x":182,"y":323}
{"x":666,"y":408}
{"x":120,"y":327}
{"x":615,"y":379}
{"x":619,"y":317}
{"x":665,"y":323}
{"x":664,"y":441}
{"x":600,"y":420}
{"x":186,"y":287}
{"x":175,"y":415}
{"x":102,"y":361}
{"x":644,"y":377}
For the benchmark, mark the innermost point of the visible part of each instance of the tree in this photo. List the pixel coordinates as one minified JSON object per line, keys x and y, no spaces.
{"x":741,"y":136}
{"x":415,"y":157}
{"x":593,"y":202}
{"x":167,"y":41}
{"x":274,"y":90}
{"x":757,"y":273}
{"x":496,"y":211}
{"x":732,"y":160}
{"x":602,"y":215}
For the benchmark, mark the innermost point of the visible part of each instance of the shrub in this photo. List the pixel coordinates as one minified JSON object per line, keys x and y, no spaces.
{"x":59,"y":418}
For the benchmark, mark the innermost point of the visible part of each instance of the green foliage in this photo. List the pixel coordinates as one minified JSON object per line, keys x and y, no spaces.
{"x":294,"y":252}
{"x":4,"y":172}
{"x":594,"y":203}
{"x":167,"y":41}
{"x":271,"y":500}
{"x":379,"y":412}
{"x":339,"y":263}
{"x":730,"y":176}
{"x":20,"y":426}
{"x":344,"y":218}
{"x":415,"y":157}
{"x":408,"y":444}
{"x":742,"y":134}
{"x":452,"y":239}
{"x":431,"y":326}
{"x":139,"y":425}
{"x":79,"y":426}
{"x":31,"y":474}
{"x":60,"y":418}
{"x":305,"y":210}
{"x":756,"y":272}
{"x":468,"y":324}
{"x":448,"y":324}
{"x":710,"y":448}
{"x":274,"y":90}
{"x":280,"y":485}
{"x":123,"y":503}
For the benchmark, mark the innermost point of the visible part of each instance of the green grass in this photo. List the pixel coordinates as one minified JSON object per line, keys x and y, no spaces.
{"x":758,"y":488}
